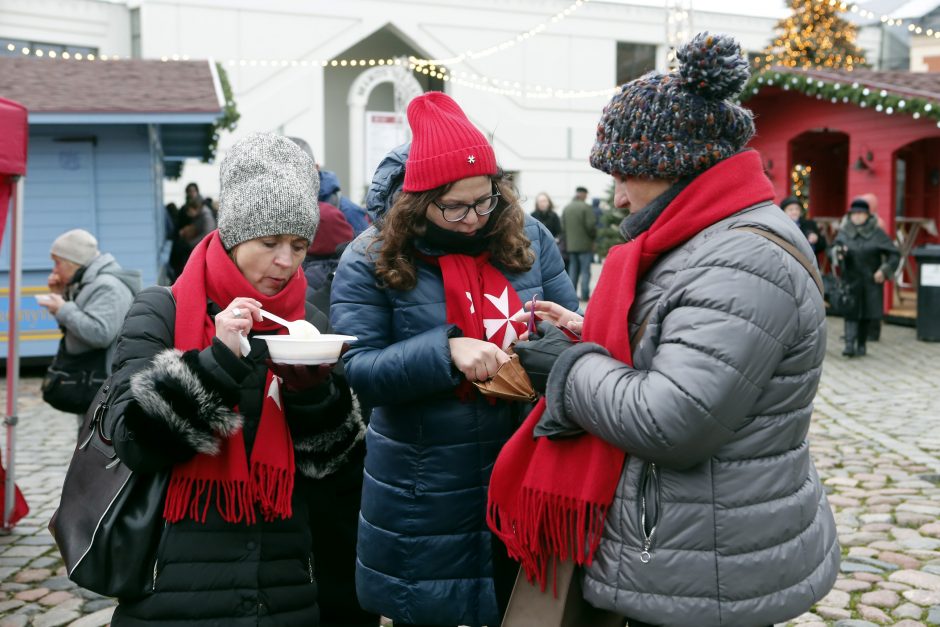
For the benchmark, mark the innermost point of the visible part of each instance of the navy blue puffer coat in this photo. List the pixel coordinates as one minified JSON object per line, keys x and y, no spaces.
{"x":424,"y":548}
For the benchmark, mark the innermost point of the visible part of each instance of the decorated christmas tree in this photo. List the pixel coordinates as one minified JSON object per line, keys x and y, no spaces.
{"x":813,"y":36}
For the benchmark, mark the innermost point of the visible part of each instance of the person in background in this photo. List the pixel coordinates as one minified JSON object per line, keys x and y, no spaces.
{"x":330,"y":192}
{"x":90,"y":293}
{"x":580,"y":228}
{"x":544,"y":212}
{"x":686,"y":407}
{"x":194,"y":222}
{"x":793,"y":207}
{"x":869,"y":258}
{"x":429,"y":290}
{"x":244,"y":439}
{"x":336,"y":506}
{"x":325,"y":249}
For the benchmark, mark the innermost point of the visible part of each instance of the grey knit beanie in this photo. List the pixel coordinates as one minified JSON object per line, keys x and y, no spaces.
{"x":667,"y":126}
{"x":78,"y":246}
{"x":269,"y":186}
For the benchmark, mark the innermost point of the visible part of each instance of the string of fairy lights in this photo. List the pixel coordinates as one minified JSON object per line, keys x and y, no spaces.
{"x":437,"y":68}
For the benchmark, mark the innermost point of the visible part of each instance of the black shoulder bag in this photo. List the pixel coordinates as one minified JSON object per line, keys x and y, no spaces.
{"x":72,"y":380}
{"x":109,"y":518}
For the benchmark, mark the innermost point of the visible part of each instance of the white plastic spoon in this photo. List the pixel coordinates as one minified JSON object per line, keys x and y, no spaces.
{"x":300,"y":328}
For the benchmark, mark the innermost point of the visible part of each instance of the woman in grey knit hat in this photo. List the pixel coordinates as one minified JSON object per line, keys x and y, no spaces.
{"x":242,"y":440}
{"x":694,"y":383}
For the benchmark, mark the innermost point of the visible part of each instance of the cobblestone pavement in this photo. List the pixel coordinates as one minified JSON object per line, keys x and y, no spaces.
{"x":875,"y":439}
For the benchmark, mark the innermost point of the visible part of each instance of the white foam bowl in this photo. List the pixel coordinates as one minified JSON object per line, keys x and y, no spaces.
{"x":323,"y":349}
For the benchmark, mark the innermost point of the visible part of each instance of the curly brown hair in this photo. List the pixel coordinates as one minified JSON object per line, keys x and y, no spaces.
{"x":510,"y":250}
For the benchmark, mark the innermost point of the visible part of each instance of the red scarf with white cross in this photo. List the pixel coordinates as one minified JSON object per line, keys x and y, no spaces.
{"x":480,"y":301}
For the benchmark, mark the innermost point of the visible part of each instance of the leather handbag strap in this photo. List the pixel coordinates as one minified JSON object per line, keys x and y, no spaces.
{"x":790,"y":248}
{"x":776,"y":239}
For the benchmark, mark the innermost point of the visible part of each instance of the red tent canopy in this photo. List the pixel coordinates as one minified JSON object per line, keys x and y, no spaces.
{"x":14,"y":133}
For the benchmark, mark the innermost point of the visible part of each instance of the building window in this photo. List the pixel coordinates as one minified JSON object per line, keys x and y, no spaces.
{"x":634,"y":60}
{"x":23,"y":48}
{"x":135,"y":34}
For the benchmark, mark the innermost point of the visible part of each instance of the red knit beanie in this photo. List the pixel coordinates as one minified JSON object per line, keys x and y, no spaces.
{"x":445,"y":145}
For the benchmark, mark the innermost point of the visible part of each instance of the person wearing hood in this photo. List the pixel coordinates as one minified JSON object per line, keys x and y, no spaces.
{"x":90,"y":294}
{"x":869,"y":258}
{"x":677,"y":428}
{"x":793,"y":207}
{"x":429,"y":290}
{"x":330,"y":192}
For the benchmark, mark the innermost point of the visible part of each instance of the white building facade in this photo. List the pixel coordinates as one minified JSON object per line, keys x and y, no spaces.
{"x":274,"y":53}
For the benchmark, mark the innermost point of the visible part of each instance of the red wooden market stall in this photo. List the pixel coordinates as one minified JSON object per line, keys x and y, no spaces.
{"x":833,"y":135}
{"x":14,"y":133}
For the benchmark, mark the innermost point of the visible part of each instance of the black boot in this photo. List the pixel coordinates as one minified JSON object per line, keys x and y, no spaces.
{"x":851,"y":337}
{"x":863,"y":329}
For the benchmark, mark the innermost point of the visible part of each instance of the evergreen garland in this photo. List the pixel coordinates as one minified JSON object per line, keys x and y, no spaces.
{"x":229,"y":118}
{"x":881,"y":100}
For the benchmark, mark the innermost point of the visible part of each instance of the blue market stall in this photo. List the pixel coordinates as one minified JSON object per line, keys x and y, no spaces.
{"x":102,"y":135}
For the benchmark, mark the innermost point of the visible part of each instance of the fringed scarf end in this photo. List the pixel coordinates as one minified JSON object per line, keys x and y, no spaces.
{"x":546,"y":529}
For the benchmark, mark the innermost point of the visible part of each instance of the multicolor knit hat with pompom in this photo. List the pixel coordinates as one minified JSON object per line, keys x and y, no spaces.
{"x":667,"y":126}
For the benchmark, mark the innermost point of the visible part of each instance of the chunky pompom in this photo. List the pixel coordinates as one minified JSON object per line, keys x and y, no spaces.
{"x":712,"y":66}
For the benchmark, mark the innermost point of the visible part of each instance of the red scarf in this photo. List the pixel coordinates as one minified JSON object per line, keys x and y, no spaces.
{"x":480,"y":301}
{"x":549,"y":498}
{"x":227,"y":478}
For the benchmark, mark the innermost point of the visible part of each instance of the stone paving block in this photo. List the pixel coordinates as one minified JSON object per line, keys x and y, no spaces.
{"x":99,"y":604}
{"x":852,"y":585}
{"x":17,"y":620}
{"x":10,"y":604}
{"x":855,"y":623}
{"x":833,"y":613}
{"x":31,"y":575}
{"x":25,"y":551}
{"x":97,"y":619}
{"x":55,"y":618}
{"x":60,"y":583}
{"x":33,"y":594}
{"x":873,"y":614}
{"x":881,"y":598}
{"x":909,"y":623}
{"x":918,"y":579}
{"x":902,"y":560}
{"x":907,"y":610}
{"x":934,"y":615}
{"x":893,"y":585}
{"x":924,"y":598}
{"x":931,"y":529}
{"x":836,"y":598}
{"x":56,"y":598}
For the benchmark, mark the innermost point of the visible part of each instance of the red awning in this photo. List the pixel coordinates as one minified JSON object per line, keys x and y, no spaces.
{"x":14,"y":133}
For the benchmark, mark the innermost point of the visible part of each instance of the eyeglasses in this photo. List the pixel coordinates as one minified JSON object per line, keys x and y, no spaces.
{"x":459,"y":211}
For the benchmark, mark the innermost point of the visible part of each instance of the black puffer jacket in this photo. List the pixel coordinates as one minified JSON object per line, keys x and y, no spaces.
{"x":862,"y":251}
{"x":218,"y":573}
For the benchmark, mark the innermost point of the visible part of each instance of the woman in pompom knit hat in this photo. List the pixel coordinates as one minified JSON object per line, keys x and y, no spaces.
{"x":429,"y":292}
{"x":242,"y":438}
{"x":692,"y":390}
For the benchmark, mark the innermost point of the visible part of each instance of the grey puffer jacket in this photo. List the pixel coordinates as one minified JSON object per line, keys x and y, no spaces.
{"x":96,"y":304}
{"x":735,"y":528}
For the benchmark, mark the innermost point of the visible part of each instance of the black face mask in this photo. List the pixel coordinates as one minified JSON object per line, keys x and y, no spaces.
{"x":452,"y":242}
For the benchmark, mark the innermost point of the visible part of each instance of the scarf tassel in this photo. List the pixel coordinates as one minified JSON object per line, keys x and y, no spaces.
{"x":549,"y":528}
{"x":191,"y":498}
{"x":271,"y":488}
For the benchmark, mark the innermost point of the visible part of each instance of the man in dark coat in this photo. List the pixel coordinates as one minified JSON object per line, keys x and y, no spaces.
{"x":869,"y":258}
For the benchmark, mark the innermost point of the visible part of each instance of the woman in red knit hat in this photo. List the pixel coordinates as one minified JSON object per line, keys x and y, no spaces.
{"x":429,"y":291}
